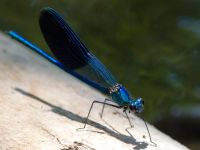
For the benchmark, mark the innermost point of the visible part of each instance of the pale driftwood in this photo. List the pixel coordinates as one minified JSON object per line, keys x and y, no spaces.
{"x":41,"y":107}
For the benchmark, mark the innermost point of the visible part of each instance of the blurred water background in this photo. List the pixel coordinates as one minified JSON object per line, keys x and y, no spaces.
{"x":151,"y":47}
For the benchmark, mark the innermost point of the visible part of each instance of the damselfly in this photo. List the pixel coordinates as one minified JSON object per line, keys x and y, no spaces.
{"x":74,"y":58}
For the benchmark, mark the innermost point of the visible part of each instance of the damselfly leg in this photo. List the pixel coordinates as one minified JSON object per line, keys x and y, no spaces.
{"x":104,"y":103}
{"x":125,"y":111}
{"x":101,"y":114}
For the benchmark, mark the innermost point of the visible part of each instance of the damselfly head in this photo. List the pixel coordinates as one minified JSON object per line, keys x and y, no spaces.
{"x":137,"y":105}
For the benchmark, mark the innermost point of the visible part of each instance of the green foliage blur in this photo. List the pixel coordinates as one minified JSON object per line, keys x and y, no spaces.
{"x":151,"y":47}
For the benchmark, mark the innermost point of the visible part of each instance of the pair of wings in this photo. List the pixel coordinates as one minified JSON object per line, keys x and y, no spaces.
{"x":72,"y":53}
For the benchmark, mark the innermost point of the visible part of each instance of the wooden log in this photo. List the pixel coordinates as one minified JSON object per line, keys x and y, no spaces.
{"x":41,"y":107}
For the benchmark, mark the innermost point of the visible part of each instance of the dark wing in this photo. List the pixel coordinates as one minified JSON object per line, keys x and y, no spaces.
{"x":70,"y":51}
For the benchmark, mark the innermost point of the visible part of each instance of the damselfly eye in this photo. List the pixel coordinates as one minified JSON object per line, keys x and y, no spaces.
{"x":137,"y":105}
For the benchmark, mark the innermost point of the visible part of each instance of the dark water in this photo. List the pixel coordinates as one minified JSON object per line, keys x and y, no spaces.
{"x":153,"y":48}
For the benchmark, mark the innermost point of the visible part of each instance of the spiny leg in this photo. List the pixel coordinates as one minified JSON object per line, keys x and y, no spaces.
{"x":91,"y":109}
{"x":101,"y":114}
{"x":128,"y":119}
{"x":131,"y":126}
{"x":153,"y":143}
